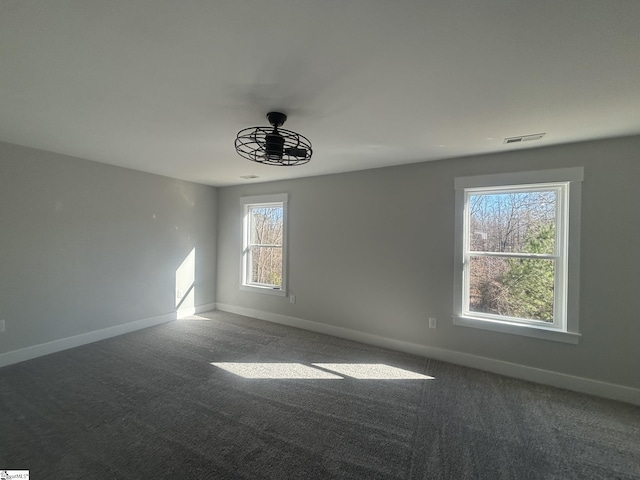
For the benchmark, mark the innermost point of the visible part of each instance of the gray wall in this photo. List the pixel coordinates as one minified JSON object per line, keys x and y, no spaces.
{"x":373,"y":251}
{"x":86,"y":246}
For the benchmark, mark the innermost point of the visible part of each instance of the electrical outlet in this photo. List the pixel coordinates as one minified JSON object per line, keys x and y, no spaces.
{"x":180,"y":293}
{"x":3,"y":325}
{"x":433,"y":322}
{"x":292,"y":298}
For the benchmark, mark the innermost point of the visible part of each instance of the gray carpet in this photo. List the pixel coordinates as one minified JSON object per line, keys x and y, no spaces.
{"x":150,"y":405}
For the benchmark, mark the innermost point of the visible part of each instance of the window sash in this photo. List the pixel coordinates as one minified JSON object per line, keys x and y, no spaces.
{"x":559,"y":256}
{"x":467,"y":311}
{"x":557,"y":188}
{"x":547,"y":256}
{"x":250,"y":204}
{"x":250,"y":273}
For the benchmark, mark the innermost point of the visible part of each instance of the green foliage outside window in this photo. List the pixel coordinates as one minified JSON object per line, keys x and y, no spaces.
{"x":530,"y":282}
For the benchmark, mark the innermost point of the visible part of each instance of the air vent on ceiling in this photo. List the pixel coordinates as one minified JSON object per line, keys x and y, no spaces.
{"x":524,"y":138}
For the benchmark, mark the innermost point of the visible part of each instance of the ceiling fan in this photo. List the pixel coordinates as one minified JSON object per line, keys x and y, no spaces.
{"x":273,"y":145}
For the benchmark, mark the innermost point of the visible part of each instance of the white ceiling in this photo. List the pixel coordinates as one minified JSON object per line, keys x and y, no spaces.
{"x":163,"y":86}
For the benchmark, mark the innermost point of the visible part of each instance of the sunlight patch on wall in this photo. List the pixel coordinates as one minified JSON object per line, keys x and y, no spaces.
{"x":372,"y":371}
{"x":185,"y":297}
{"x":275,"y":370}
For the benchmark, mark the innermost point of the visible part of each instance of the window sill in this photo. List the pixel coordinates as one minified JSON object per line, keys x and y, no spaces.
{"x":266,"y":290}
{"x":514,"y":329}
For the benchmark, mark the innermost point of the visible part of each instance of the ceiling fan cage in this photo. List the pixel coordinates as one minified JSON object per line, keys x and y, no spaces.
{"x":273,"y":146}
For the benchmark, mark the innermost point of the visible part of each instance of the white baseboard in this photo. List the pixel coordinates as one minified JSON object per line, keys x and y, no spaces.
{"x":537,"y":375}
{"x":184,"y":312}
{"x":205,"y":308}
{"x":54,"y":346}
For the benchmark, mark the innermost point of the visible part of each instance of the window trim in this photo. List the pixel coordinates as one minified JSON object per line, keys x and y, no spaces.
{"x":246,"y":203}
{"x":570,"y":180}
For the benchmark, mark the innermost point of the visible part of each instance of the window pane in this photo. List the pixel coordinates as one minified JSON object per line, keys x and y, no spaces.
{"x":266,"y":225}
{"x":514,"y":287}
{"x":522,"y":222}
{"x":266,"y":265}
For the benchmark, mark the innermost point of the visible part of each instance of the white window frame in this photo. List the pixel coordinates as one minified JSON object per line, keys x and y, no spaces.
{"x":275,"y":200}
{"x":567,"y":182}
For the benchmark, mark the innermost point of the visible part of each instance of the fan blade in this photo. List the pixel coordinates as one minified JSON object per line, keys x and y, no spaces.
{"x":296,"y":152}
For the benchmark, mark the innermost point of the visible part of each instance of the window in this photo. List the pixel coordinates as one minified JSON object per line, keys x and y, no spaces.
{"x":517,"y":253}
{"x":264,"y":244}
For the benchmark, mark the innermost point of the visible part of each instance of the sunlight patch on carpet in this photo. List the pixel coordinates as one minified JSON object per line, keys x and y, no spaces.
{"x":372,"y":371}
{"x":324,"y":371}
{"x":275,"y":370}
